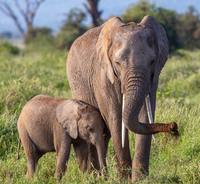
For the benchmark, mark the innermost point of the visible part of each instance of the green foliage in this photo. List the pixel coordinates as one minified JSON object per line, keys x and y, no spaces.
{"x":40,"y":38}
{"x":183,"y":30}
{"x":169,"y":19}
{"x":72,"y":28}
{"x":189,"y":31}
{"x":8,"y":48}
{"x":172,"y":161}
{"x":181,"y":78}
{"x":22,"y":78}
{"x":137,"y":11}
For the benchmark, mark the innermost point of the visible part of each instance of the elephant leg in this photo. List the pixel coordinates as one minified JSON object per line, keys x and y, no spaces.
{"x":107,"y":139}
{"x":32,"y":160}
{"x":81,"y":153}
{"x":93,"y":159}
{"x":123,"y":156}
{"x":93,"y":151}
{"x":30,"y":167}
{"x":30,"y":152}
{"x":140,"y":165}
{"x":62,"y":158}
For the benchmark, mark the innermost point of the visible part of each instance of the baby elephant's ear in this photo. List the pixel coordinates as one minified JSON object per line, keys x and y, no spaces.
{"x":67,"y":115}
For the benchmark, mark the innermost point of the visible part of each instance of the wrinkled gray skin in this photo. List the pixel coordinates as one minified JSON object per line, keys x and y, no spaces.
{"x":118,"y":59}
{"x":49,"y":124}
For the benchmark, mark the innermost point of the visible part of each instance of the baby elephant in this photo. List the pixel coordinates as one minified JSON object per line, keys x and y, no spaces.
{"x":49,"y":124}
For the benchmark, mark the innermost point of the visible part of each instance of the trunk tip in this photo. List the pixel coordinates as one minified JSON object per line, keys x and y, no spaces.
{"x":173,"y":129}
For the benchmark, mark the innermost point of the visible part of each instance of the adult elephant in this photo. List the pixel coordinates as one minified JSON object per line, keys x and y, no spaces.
{"x":117,"y":60}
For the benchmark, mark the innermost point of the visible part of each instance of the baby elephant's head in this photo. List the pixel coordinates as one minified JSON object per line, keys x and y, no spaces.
{"x":91,"y":129}
{"x":84,"y":121}
{"x":90,"y":125}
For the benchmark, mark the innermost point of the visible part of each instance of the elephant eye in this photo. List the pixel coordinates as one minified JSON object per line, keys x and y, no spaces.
{"x":118,"y":61}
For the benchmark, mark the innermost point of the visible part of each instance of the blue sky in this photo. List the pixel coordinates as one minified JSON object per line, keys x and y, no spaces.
{"x":52,"y":12}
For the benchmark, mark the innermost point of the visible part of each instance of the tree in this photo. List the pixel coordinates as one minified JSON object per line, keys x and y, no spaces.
{"x":168,"y":18}
{"x":137,"y":11}
{"x":40,"y":36}
{"x":71,"y":29}
{"x":170,"y":21}
{"x":189,"y":31}
{"x":94,"y":12}
{"x":27,"y":13}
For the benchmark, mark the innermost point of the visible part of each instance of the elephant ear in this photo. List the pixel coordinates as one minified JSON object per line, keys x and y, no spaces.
{"x":162,"y":42}
{"x":104,"y":43}
{"x":67,"y":115}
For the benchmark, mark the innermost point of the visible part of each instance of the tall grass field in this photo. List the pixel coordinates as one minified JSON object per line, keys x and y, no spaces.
{"x":44,"y":72}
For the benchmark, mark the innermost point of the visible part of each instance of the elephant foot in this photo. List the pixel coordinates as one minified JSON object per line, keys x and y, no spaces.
{"x":101,"y":173}
{"x":139,"y":171}
{"x":138,"y":174}
{"x":125,"y":174}
{"x":124,"y":170}
{"x":29,"y":176}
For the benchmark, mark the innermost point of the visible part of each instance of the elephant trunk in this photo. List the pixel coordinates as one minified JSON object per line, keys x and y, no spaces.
{"x":101,"y":153}
{"x":136,"y":85}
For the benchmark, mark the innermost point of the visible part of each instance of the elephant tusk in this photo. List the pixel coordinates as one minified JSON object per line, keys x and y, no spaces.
{"x":149,"y":111}
{"x":150,"y":117}
{"x":123,"y":126}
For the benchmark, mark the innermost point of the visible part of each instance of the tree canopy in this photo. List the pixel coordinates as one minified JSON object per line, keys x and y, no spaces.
{"x":183,"y":30}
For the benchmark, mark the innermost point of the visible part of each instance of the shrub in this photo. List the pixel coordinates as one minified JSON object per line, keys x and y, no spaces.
{"x":168,"y":18}
{"x":40,"y":39}
{"x":72,"y":28}
{"x":6,"y":47}
{"x":39,"y":33}
{"x":183,"y":30}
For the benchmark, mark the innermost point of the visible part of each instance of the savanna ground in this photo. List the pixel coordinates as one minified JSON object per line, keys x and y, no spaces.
{"x":43,"y":71}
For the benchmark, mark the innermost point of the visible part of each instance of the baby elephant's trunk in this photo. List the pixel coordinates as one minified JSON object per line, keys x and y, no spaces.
{"x":101,"y":154}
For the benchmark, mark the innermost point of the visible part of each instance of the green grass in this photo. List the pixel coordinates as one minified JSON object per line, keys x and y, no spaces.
{"x":172,"y":161}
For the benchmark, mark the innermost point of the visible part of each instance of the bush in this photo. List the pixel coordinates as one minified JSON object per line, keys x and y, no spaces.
{"x":6,"y":47}
{"x":137,"y":11}
{"x":189,"y":31}
{"x":72,"y":28}
{"x":39,"y":33}
{"x":40,"y":39}
{"x":183,"y":30}
{"x":168,"y":18}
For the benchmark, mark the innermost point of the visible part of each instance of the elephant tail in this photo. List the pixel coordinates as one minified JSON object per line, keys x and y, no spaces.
{"x":18,"y":148}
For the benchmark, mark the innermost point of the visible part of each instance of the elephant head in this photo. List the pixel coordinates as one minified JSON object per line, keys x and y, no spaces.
{"x":133,"y":54}
{"x":82,"y":120}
